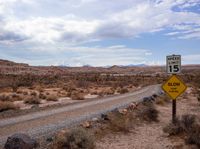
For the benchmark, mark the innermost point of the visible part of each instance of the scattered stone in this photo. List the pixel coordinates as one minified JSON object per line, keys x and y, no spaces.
{"x":20,"y":141}
{"x":146,"y":99}
{"x":133,"y":106}
{"x":86,"y":124}
{"x":49,"y":139}
{"x":154,"y":95}
{"x":95,"y":119}
{"x":123,"y":111}
{"x":105,"y":117}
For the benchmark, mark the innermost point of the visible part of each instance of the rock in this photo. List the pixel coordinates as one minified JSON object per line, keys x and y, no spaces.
{"x":86,"y":124}
{"x":49,"y":139}
{"x":133,"y":106}
{"x":20,"y":141}
{"x":154,"y":95}
{"x":147,"y":99}
{"x":123,"y":111}
{"x":105,"y":117}
{"x":95,"y":119}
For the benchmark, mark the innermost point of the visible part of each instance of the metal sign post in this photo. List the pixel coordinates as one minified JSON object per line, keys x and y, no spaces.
{"x":174,"y":111}
{"x":174,"y":87}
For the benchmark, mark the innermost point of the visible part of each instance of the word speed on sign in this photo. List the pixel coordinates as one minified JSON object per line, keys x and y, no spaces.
{"x":174,"y":64}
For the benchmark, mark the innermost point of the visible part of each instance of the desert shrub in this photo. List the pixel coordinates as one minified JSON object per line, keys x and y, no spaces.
{"x":174,"y":129}
{"x":33,"y":93}
{"x":108,"y":92}
{"x":187,"y":122}
{"x":5,"y":105}
{"x":160,"y":102}
{"x":32,"y":100}
{"x":120,"y":122}
{"x":25,"y":93}
{"x":198,"y":96}
{"x":123,"y":90}
{"x":4,"y":98}
{"x":77,"y":138}
{"x":52,"y":98}
{"x":183,"y":125}
{"x":77,"y":96}
{"x":42,"y":96}
{"x":194,"y":135}
{"x":19,"y":92}
{"x":148,"y":112}
{"x":14,"y":95}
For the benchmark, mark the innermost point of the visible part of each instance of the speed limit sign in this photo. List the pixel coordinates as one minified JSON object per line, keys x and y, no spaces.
{"x":174,"y":64}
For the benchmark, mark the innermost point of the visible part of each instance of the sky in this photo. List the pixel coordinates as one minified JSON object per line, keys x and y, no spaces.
{"x":99,"y":32}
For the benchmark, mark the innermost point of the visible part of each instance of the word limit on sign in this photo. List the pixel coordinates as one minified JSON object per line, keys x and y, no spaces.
{"x":174,"y":64}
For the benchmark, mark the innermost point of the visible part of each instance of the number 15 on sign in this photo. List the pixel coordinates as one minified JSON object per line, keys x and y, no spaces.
{"x":174,"y":64}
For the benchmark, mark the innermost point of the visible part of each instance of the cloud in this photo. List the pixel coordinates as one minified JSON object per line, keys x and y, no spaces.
{"x":62,"y":27}
{"x":93,"y":19}
{"x":191,"y":59}
{"x":79,"y":56}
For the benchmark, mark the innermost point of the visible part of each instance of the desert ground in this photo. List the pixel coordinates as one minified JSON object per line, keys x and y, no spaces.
{"x":25,"y":90}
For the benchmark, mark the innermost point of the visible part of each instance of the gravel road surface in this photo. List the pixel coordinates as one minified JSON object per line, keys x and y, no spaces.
{"x":44,"y":123}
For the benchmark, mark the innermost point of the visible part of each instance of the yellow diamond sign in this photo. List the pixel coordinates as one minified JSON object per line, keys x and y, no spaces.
{"x":174,"y":87}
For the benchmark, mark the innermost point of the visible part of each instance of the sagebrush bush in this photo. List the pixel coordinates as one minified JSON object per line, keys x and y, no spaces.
{"x":183,"y":125}
{"x":77,"y":138}
{"x":174,"y":129}
{"x":123,"y":90}
{"x":148,"y":112}
{"x":6,"y":105}
{"x":52,"y":98}
{"x":194,"y":135}
{"x":32,"y":100}
{"x":77,"y":96}
{"x":120,"y":122}
{"x":187,"y":122}
{"x":4,"y":97}
{"x":33,"y":93}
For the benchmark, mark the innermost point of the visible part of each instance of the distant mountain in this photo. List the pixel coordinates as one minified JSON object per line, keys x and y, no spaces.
{"x":137,"y":65}
{"x":10,"y":63}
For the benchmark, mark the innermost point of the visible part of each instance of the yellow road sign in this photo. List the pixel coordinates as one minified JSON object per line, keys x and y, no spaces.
{"x":174,"y":87}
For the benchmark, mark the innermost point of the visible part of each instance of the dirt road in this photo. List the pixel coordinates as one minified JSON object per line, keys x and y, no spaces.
{"x":44,"y":123}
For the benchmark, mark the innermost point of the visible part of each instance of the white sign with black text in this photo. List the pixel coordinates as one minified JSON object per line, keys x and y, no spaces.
{"x":174,"y":64}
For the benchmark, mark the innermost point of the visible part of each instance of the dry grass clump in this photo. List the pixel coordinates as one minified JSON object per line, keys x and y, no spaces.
{"x":161,"y":100}
{"x":148,"y":112}
{"x":123,"y":90}
{"x":4,"y":97}
{"x":183,"y":124}
{"x":77,"y":96}
{"x":188,"y":126}
{"x":194,"y":136}
{"x":32,"y":100}
{"x":33,"y":93}
{"x":42,"y":96}
{"x":25,"y":93}
{"x":198,"y":96}
{"x":52,"y":98}
{"x":77,"y":138}
{"x":6,"y":105}
{"x":120,"y":122}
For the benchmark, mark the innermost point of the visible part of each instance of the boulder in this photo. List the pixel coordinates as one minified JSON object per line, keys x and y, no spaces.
{"x":20,"y":141}
{"x":95,"y":119}
{"x":133,"y":106}
{"x":105,"y":117}
{"x":86,"y":124}
{"x":123,"y":111}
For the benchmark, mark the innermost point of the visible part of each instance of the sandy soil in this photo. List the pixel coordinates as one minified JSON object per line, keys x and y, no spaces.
{"x":151,"y":135}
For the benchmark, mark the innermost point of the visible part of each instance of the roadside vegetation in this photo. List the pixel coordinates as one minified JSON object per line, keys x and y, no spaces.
{"x":186,"y":127}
